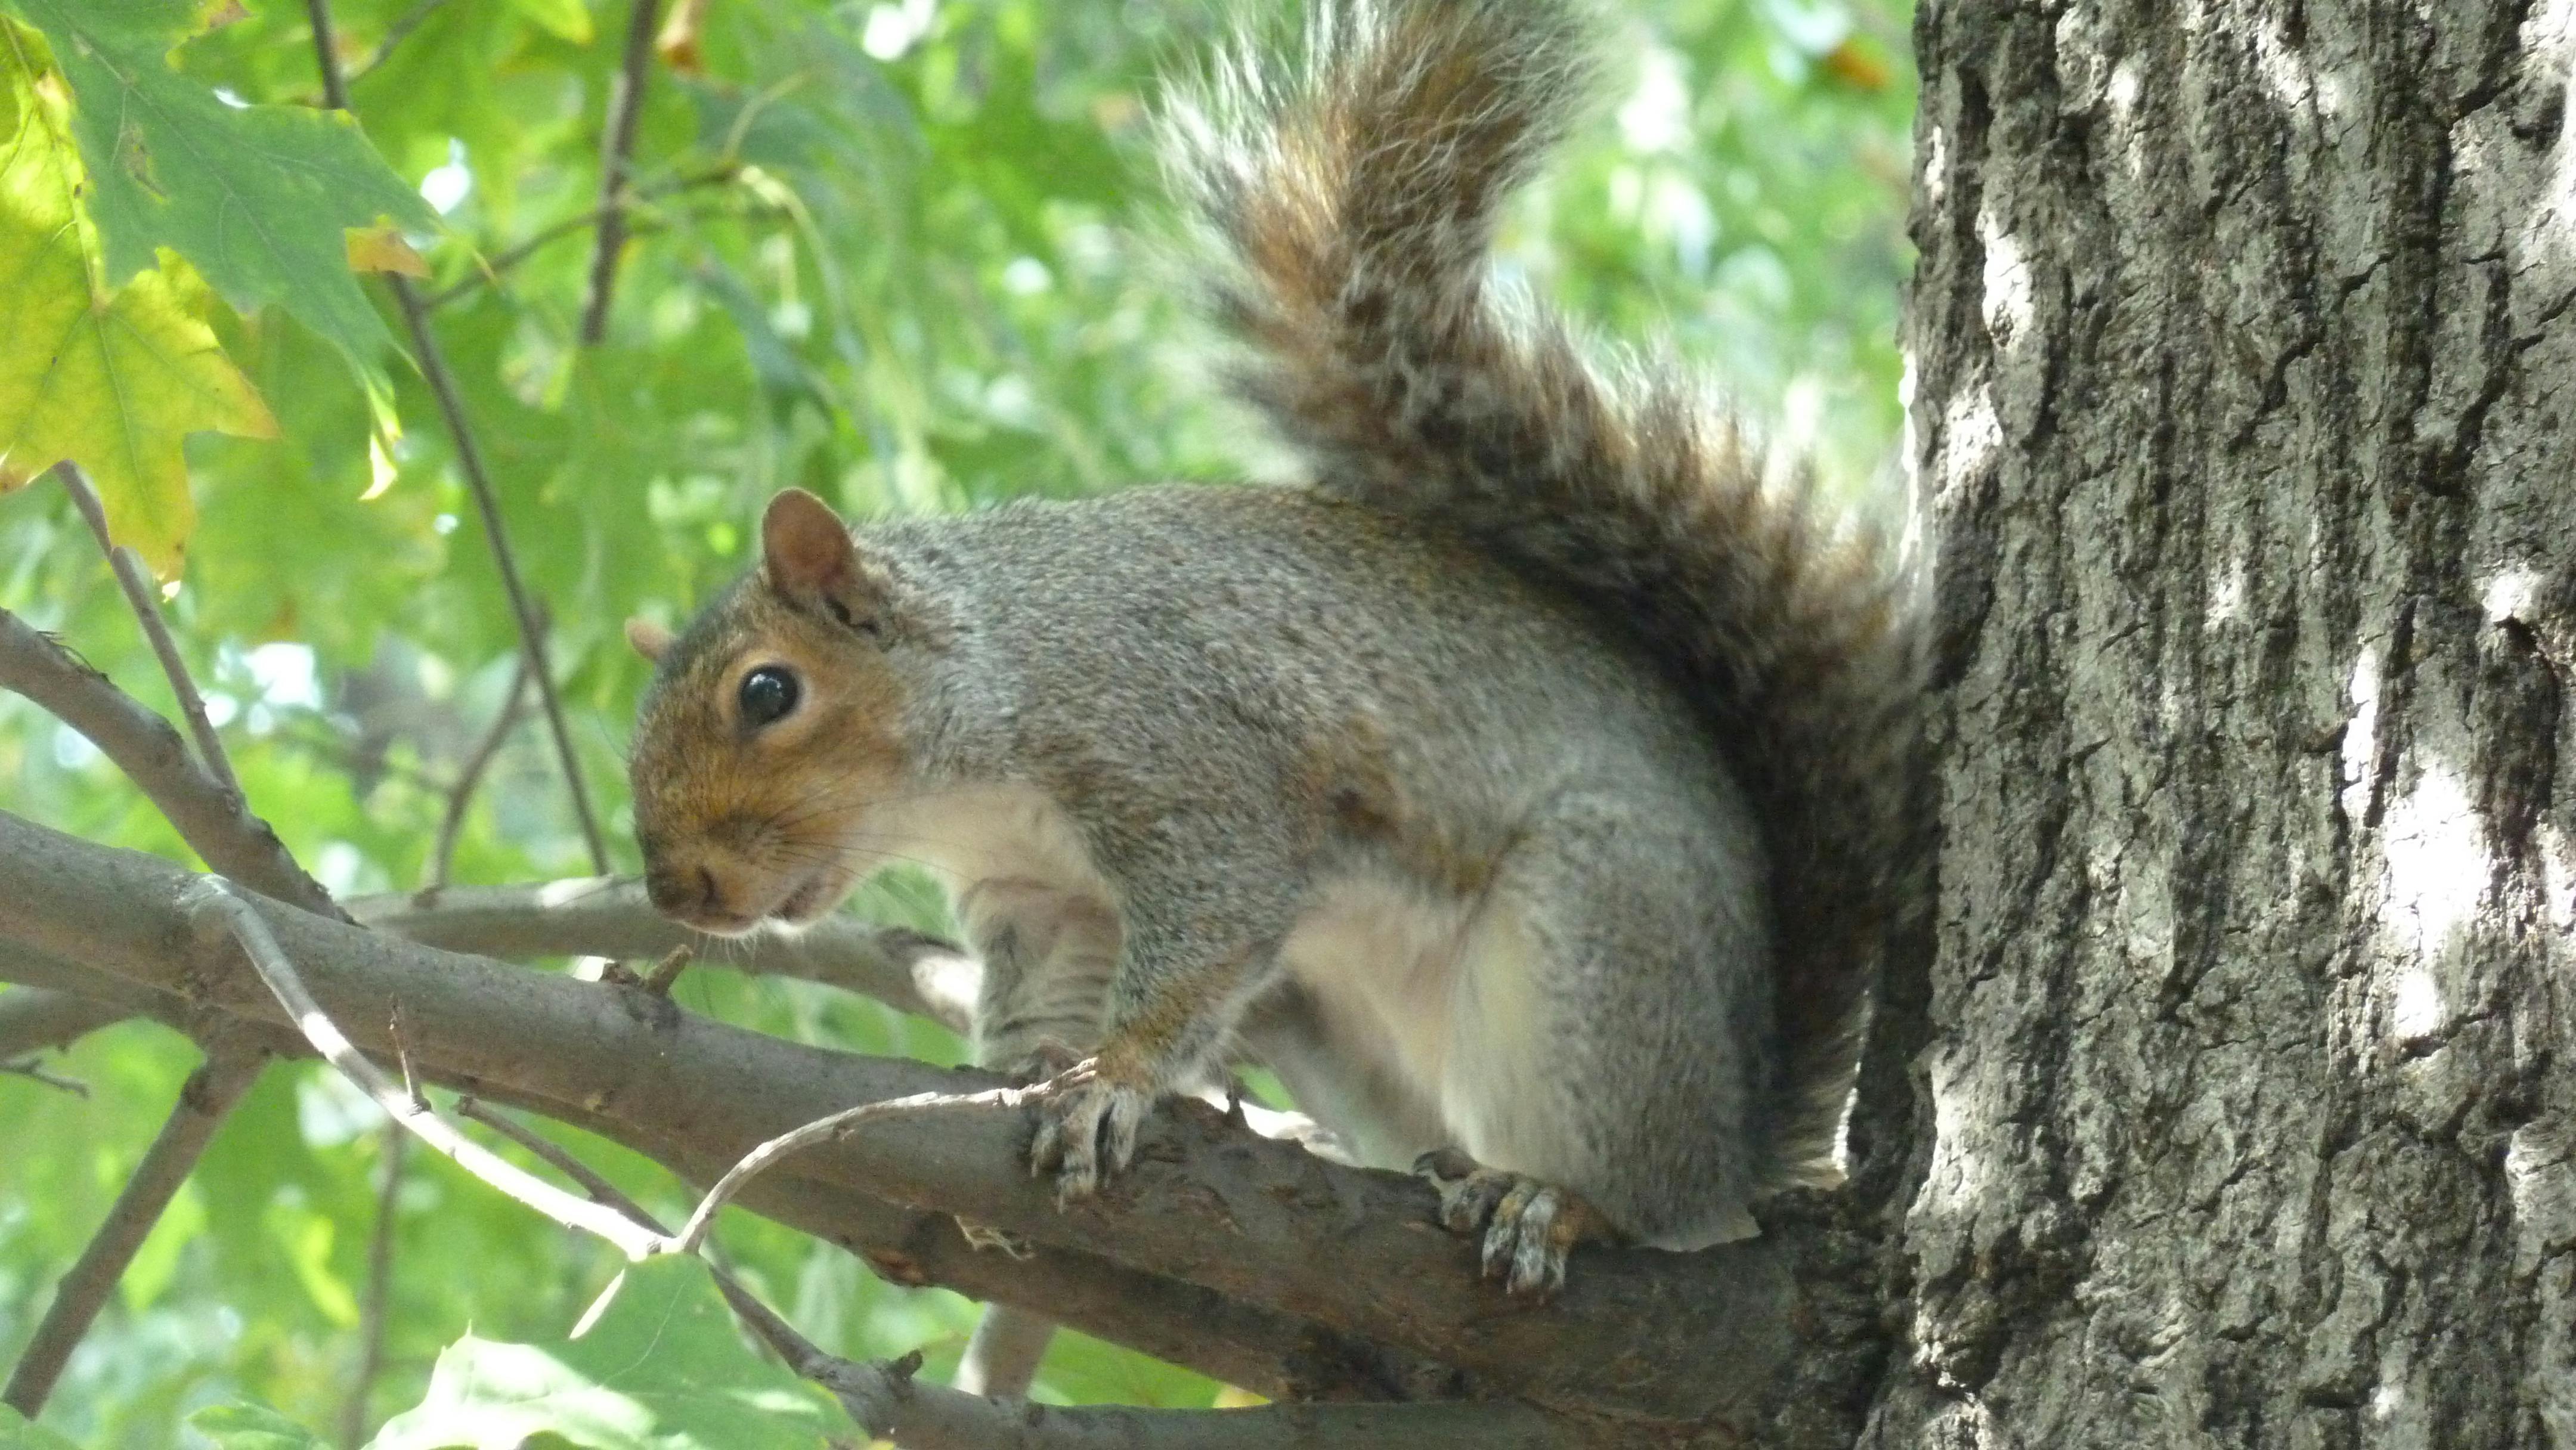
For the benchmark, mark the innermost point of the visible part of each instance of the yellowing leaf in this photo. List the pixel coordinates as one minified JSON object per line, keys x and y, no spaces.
{"x":254,"y":196}
{"x":382,"y":249}
{"x":1858,"y":65}
{"x":112,"y":379}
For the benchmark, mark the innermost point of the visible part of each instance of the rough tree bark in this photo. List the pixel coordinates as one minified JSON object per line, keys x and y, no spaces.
{"x":2242,"y":386}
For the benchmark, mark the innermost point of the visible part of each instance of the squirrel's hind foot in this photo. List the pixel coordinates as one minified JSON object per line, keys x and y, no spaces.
{"x":1528,"y":1227}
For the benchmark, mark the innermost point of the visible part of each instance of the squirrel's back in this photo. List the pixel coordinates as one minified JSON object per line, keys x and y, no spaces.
{"x":1289,"y":619}
{"x":1352,"y":198}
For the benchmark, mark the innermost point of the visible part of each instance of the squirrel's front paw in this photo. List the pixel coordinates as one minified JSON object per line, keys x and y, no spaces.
{"x":1088,"y":1133}
{"x":1527,"y":1226}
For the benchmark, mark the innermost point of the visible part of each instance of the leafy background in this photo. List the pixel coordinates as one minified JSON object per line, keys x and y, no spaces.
{"x":902,"y":254}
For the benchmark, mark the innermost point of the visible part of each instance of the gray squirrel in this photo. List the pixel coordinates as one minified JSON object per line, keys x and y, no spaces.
{"x":1529,"y":791}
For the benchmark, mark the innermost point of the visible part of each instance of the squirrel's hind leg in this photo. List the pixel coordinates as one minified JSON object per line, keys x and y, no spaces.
{"x":1608,"y":1025}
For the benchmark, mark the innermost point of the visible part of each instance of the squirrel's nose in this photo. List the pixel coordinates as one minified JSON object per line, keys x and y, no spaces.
{"x":684,"y":892}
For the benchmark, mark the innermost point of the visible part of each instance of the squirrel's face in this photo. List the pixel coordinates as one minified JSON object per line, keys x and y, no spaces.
{"x":769,"y":730}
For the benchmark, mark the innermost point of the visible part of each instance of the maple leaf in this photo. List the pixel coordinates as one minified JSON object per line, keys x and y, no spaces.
{"x":111,"y":378}
{"x":257,"y":198}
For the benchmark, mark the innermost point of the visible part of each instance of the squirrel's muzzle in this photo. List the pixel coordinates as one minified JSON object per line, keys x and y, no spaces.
{"x":695,"y":895}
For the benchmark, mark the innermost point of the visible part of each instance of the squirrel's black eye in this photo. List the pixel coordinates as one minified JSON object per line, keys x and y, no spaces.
{"x":768,"y":694}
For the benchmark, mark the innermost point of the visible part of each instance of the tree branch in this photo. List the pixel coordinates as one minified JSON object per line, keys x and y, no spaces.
{"x":208,"y":1096}
{"x":617,"y":149}
{"x":1263,"y":1223}
{"x":1003,"y":1356}
{"x":478,"y":479}
{"x":214,"y":903}
{"x":214,"y":822}
{"x":606,"y":917}
{"x":33,"y":1019}
{"x":128,"y":570}
{"x":887,"y":1401}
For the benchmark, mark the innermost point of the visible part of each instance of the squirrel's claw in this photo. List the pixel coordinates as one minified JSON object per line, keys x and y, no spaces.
{"x":1086,"y":1135}
{"x":1528,"y":1227}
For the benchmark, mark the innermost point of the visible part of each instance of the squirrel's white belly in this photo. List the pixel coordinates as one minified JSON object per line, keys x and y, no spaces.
{"x":1429,"y":995}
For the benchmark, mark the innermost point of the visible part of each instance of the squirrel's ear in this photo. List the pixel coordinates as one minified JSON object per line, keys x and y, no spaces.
{"x":807,"y":557}
{"x":650,"y":640}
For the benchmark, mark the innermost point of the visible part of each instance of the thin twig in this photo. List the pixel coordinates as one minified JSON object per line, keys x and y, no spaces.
{"x":469,"y":778}
{"x":843,"y":1123}
{"x":560,"y":1158}
{"x":489,"y":272}
{"x":532,"y":636}
{"x":214,"y":822}
{"x":208,"y":1096}
{"x":402,"y":1059}
{"x":32,"y":1070}
{"x":373,"y":1311}
{"x":395,"y":34}
{"x":128,"y":569}
{"x":469,"y":459}
{"x":616,"y":157}
{"x":215,"y":903}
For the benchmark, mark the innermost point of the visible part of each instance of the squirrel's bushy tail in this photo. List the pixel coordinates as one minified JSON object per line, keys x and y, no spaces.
{"x":1354,"y":195}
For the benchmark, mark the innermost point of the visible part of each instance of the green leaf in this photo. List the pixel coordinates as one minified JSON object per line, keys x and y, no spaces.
{"x":253,"y":1427}
{"x":18,"y":1433}
{"x":568,"y":19}
{"x":258,"y":197}
{"x":663,"y":1369}
{"x":111,"y":378}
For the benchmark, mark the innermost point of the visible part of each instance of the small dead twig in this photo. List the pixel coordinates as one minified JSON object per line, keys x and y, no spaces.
{"x":666,"y":972}
{"x":127,"y":566}
{"x":616,"y":158}
{"x":847,"y":1121}
{"x":203,"y":1103}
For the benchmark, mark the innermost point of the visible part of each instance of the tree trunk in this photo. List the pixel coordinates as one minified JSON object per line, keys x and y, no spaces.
{"x":2242,"y":383}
